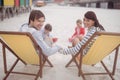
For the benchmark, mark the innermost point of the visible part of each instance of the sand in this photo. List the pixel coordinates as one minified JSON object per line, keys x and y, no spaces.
{"x":63,"y":20}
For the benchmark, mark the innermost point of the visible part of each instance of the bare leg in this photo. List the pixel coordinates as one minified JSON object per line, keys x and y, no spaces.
{"x":75,"y":41}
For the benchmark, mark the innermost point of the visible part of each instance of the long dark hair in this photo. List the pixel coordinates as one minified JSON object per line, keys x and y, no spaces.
{"x":35,"y":14}
{"x":91,"y":15}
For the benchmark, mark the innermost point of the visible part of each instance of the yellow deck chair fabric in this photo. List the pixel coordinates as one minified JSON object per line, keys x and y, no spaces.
{"x":105,"y":43}
{"x":103,"y":46}
{"x":23,"y":47}
{"x":26,"y":50}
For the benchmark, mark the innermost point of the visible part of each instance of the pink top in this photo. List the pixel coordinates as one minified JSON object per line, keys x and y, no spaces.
{"x":78,"y":31}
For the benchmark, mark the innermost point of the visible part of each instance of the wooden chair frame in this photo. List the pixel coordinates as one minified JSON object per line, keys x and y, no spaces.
{"x":80,"y":53}
{"x":42,"y":57}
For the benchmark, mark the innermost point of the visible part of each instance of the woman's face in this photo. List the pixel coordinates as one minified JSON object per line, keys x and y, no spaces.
{"x":38,"y":23}
{"x":88,"y":22}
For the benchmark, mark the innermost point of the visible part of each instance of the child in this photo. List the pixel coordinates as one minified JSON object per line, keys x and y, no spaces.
{"x":46,"y":35}
{"x":79,"y":31}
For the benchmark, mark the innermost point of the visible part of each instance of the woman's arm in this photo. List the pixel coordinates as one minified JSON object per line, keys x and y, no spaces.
{"x":76,"y":48}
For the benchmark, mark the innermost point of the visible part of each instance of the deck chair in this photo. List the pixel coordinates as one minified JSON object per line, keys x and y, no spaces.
{"x":26,"y":50}
{"x":104,"y":44}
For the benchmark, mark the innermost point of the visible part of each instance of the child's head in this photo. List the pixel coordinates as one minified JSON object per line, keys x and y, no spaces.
{"x":48,"y":28}
{"x":79,"y":23}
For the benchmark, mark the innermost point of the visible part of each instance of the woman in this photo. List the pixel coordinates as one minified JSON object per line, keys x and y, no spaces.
{"x":36,"y":21}
{"x":91,"y":22}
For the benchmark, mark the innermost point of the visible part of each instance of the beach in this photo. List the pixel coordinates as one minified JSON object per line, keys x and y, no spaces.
{"x":63,"y":19}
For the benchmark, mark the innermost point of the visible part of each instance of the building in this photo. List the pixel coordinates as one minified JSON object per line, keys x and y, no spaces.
{"x":111,"y":4}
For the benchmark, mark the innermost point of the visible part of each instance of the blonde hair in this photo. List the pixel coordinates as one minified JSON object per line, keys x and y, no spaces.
{"x":79,"y":21}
